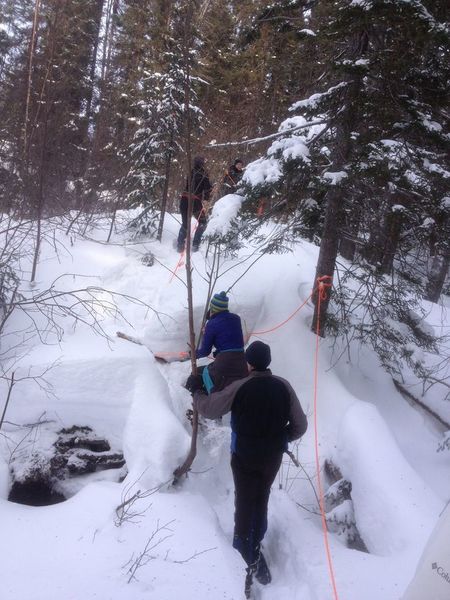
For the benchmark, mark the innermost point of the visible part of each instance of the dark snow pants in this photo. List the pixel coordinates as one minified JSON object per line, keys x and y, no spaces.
{"x":227,"y":367}
{"x":252,"y":483}
{"x":199,"y":214}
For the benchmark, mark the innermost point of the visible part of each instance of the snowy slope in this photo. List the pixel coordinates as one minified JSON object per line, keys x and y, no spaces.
{"x":77,"y":550}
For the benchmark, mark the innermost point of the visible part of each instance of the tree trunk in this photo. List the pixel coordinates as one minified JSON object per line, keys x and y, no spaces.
{"x":347,"y":247}
{"x":438,"y":274}
{"x":32,"y":47}
{"x":99,"y":5}
{"x":335,"y":197}
{"x":392,"y":230}
{"x":327,"y":255}
{"x":40,"y":201}
{"x":165,"y":190}
{"x":185,"y":467}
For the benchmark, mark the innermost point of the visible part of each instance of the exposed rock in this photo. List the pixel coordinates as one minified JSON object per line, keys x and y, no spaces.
{"x":38,"y":479}
{"x":340,"y":514}
{"x":34,"y":492}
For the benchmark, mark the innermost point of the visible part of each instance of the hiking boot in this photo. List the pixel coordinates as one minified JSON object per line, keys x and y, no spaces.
{"x":262,"y":572}
{"x":195,"y":247}
{"x":190,"y":416}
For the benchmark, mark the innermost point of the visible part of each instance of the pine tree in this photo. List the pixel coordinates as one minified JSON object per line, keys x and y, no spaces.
{"x":159,"y":140}
{"x":155,"y":144}
{"x":373,"y":170}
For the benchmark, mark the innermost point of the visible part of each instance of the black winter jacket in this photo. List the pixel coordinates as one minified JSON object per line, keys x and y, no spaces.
{"x":265,"y":413}
{"x":199,"y":185}
{"x":231,"y":180}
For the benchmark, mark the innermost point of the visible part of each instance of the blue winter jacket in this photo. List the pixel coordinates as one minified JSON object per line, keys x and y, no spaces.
{"x":224,"y":332}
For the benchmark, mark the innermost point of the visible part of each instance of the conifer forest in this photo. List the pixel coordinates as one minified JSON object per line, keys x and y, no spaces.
{"x":339,"y":112}
{"x":343,"y":106}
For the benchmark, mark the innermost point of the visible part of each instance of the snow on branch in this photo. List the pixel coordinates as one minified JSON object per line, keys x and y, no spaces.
{"x":272,"y":136}
{"x":421,"y":11}
{"x":314,"y":100}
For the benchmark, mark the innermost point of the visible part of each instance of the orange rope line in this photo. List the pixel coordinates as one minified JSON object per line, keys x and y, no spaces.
{"x":179,"y":354}
{"x":180,"y":260}
{"x":283,"y":322}
{"x":323,"y":283}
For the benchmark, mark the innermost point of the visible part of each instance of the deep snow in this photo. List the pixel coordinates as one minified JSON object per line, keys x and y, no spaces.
{"x":74,"y":550}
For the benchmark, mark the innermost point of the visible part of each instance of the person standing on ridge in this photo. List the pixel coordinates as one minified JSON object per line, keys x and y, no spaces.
{"x":232,"y":177}
{"x":265,"y":415}
{"x":223,"y":331}
{"x":199,"y":186}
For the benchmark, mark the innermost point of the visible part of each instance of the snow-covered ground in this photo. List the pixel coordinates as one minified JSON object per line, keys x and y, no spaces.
{"x":79,"y":550}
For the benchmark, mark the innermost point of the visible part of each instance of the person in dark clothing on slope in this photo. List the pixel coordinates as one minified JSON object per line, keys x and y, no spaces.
{"x":199,"y":186}
{"x":223,"y":331}
{"x":232,"y":177}
{"x":265,"y":415}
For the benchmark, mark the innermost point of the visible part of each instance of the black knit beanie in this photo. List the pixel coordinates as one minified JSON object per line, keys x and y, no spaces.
{"x":199,"y":162}
{"x":258,"y":355}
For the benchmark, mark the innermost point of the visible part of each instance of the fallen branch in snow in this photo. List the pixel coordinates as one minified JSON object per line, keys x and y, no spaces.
{"x":145,"y":556}
{"x":129,"y":338}
{"x":310,"y":510}
{"x":161,"y":357}
{"x":29,"y":425}
{"x":124,"y":512}
{"x":401,"y":388}
{"x":182,"y":562}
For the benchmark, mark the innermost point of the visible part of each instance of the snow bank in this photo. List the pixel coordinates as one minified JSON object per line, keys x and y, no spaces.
{"x":432,"y":577}
{"x":394,"y":508}
{"x":155,"y":442}
{"x":119,"y":390}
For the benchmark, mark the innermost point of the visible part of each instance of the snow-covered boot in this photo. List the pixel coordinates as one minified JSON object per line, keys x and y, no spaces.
{"x":262,"y":572}
{"x":249,"y":580}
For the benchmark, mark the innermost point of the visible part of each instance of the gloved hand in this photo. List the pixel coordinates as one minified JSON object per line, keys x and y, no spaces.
{"x":194,"y":383}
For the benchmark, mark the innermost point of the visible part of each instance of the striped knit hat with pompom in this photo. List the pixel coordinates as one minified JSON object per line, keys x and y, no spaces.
{"x":219,"y":302}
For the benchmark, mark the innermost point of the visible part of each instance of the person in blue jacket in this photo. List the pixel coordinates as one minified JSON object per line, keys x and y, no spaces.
{"x":223,"y":332}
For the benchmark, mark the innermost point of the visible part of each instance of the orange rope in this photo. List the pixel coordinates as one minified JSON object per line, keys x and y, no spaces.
{"x":283,"y":322}
{"x":322,"y":284}
{"x":180,"y":260}
{"x":179,"y":263}
{"x":179,"y":355}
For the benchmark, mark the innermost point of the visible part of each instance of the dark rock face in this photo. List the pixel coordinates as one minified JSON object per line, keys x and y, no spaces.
{"x":77,"y":451}
{"x":340,"y":514}
{"x":80,"y":451}
{"x":34,"y":492}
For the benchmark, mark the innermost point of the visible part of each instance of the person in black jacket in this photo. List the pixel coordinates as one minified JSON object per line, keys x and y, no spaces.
{"x":200,"y":187}
{"x":232,"y":177}
{"x":265,"y":415}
